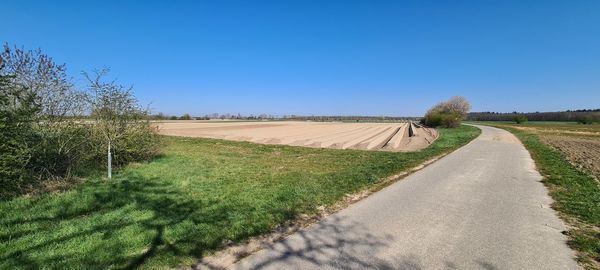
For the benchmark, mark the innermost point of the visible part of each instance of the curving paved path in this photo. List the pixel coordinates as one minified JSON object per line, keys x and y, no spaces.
{"x":481,"y":207}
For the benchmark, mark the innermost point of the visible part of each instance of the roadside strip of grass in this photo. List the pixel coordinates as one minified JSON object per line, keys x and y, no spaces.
{"x":200,"y":196}
{"x":576,"y":196}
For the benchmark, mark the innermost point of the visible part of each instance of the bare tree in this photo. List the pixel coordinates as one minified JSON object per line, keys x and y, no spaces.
{"x":449,"y":113}
{"x":456,"y":105}
{"x":459,"y":105}
{"x":114,"y":110}
{"x":46,"y":80}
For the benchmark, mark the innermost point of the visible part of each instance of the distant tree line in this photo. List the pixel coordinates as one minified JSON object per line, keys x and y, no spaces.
{"x":583,"y":116}
{"x":316,"y":118}
{"x":352,"y":118}
{"x":216,"y":116}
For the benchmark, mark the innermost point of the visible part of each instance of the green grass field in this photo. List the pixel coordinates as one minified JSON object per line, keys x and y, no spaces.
{"x":201,"y":194}
{"x":576,"y":192}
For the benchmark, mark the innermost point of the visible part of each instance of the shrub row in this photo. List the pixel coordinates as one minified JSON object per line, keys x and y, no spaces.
{"x":51,"y":131}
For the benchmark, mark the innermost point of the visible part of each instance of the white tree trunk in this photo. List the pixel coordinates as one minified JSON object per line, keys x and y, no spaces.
{"x":109,"y":162}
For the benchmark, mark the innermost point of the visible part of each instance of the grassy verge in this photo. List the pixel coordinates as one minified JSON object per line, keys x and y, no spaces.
{"x":576,"y":195}
{"x":201,"y":194}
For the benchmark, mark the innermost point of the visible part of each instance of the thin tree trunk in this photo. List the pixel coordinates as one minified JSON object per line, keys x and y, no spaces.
{"x":109,"y":162}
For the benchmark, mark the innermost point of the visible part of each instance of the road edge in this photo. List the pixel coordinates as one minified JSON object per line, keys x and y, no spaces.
{"x":573,"y":226}
{"x":233,"y":253}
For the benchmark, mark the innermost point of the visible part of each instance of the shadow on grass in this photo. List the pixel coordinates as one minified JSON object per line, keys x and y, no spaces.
{"x":118,"y":224}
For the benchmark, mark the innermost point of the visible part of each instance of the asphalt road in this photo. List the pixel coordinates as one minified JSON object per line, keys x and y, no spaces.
{"x":481,"y":207}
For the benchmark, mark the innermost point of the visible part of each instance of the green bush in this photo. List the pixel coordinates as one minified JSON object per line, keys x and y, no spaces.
{"x":432,"y":119}
{"x":62,"y":150}
{"x":443,"y":119}
{"x":520,"y":119}
{"x":17,"y":135}
{"x":139,"y":142}
{"x":586,"y":120}
{"x":448,"y":114}
{"x":185,"y":117}
{"x":34,"y":147}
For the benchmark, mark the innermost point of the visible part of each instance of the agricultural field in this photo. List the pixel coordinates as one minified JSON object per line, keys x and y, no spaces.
{"x":579,"y":143}
{"x":337,"y":135}
{"x":568,"y":156}
{"x":198,"y":197}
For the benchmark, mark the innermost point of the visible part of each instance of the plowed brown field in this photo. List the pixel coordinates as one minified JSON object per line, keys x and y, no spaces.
{"x":584,"y":152}
{"x":366,"y":136}
{"x":579,"y":143}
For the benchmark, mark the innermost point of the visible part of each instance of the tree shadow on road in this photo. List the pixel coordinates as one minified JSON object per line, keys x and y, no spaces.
{"x":334,"y":243}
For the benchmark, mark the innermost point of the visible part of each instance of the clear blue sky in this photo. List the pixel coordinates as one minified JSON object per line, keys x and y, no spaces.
{"x":325,"y":57}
